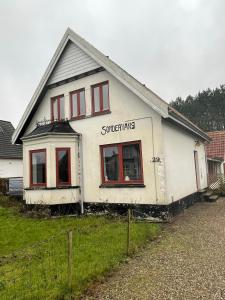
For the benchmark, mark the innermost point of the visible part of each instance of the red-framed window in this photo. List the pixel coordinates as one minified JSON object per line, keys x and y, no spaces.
{"x":77,"y":104}
{"x":100,"y":98}
{"x":38,"y":173}
{"x":63,"y":167}
{"x":58,"y":108}
{"x":122,"y":163}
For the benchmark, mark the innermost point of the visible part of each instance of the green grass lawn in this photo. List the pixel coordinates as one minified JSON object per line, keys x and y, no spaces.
{"x":33,"y":252}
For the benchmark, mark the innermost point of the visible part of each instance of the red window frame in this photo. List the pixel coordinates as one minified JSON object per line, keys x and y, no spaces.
{"x":58,"y":107}
{"x":121,"y":179}
{"x":31,"y":168}
{"x":79,"y":116}
{"x":100,"y":85}
{"x":58,"y":183}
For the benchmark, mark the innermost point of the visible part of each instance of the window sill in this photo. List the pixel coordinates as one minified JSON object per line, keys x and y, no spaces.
{"x":91,"y":116}
{"x":52,"y":188}
{"x":78,"y":118}
{"x":122,"y":185}
{"x":105,"y":112}
{"x":37,"y":186}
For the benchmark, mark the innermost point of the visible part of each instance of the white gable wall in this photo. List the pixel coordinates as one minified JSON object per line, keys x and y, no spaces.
{"x":124,"y":105}
{"x":11,"y":168}
{"x":73,"y":61}
{"x":179,"y":147}
{"x":165,"y":181}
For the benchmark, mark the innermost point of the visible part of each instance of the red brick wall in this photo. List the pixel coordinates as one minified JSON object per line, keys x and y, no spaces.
{"x":216,"y":148}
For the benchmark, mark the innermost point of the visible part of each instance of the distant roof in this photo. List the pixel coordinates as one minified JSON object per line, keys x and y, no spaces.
{"x":7,"y":149}
{"x":216,"y":149}
{"x":48,"y":128}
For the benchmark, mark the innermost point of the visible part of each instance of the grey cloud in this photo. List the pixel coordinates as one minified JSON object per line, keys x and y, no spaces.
{"x":175,"y":47}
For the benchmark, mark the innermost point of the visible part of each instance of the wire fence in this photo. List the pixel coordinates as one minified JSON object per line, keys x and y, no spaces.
{"x":217,"y":182}
{"x":66,"y":263}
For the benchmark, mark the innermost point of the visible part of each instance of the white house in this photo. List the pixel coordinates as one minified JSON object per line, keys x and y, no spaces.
{"x":94,"y":134}
{"x":11,"y":163}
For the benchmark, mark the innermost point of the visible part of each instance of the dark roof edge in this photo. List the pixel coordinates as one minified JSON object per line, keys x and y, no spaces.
{"x":11,"y":157}
{"x":48,"y":134}
{"x":216,"y":159}
{"x":185,"y":122}
{"x":188,"y":125}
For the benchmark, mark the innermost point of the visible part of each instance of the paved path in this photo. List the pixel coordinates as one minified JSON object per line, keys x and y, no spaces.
{"x":188,"y":262}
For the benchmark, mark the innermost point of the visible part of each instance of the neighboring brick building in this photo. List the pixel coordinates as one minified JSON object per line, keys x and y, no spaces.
{"x":215,"y":151}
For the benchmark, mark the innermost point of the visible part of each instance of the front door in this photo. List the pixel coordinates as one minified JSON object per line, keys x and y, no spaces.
{"x":197,"y":170}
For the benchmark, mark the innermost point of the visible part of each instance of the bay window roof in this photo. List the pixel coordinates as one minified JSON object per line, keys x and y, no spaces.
{"x":49,"y":128}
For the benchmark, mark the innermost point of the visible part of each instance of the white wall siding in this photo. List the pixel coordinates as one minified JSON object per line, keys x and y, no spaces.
{"x":11,"y":168}
{"x":179,"y":148}
{"x":166,"y":181}
{"x":52,"y":196}
{"x":73,"y":61}
{"x":124,"y":105}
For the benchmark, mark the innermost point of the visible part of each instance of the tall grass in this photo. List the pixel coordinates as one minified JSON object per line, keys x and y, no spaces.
{"x":37,"y":269}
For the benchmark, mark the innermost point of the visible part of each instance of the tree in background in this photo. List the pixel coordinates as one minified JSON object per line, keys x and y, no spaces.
{"x":206,"y":109}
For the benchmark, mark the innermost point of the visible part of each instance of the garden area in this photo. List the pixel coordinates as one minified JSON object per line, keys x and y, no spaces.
{"x":59,"y":258}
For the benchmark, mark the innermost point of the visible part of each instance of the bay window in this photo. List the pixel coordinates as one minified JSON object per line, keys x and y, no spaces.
{"x":77,"y":104}
{"x":122,"y":163}
{"x":100,"y":98}
{"x":63,"y":169}
{"x":38,"y":167}
{"x":58,"y":108}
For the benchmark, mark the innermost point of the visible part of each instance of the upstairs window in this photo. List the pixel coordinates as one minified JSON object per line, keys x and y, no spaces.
{"x":58,"y":108}
{"x":100,"y":98}
{"x":38,"y":167}
{"x":77,"y":104}
{"x":63,"y":170}
{"x":122,"y":163}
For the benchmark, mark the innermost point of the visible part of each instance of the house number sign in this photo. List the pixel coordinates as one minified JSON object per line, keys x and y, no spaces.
{"x":118,"y":127}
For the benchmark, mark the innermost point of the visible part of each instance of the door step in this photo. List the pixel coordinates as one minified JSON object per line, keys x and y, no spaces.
{"x":207,"y":195}
{"x":213,"y":198}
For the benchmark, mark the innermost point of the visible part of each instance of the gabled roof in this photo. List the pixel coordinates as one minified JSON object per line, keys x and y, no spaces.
{"x":56,"y":127}
{"x":144,"y":93}
{"x":7,"y":149}
{"x":135,"y":86}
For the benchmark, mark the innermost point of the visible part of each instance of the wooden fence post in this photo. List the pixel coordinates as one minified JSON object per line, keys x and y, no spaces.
{"x":128,"y":231}
{"x":70,"y":258}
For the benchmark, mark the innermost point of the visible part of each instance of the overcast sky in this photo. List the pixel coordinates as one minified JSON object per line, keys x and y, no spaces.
{"x":175,"y":47}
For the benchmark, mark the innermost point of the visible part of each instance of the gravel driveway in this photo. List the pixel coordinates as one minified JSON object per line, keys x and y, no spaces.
{"x":187,"y":262}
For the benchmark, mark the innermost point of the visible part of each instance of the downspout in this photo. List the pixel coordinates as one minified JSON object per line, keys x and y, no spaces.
{"x":153,"y":150}
{"x":81,"y":177}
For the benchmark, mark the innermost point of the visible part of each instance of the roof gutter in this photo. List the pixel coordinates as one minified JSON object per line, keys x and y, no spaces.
{"x":49,"y":134}
{"x":189,"y":128}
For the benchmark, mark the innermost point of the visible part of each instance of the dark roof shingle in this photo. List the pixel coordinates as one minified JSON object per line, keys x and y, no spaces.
{"x":7,"y":149}
{"x":52,"y":127}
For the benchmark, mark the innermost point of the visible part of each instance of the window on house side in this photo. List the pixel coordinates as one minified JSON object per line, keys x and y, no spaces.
{"x":58,"y":108}
{"x":100,"y":98}
{"x":122,"y":163}
{"x":77,"y":103}
{"x":63,"y":169}
{"x":38,"y":167}
{"x":111,"y":163}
